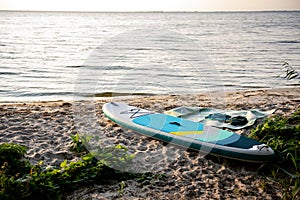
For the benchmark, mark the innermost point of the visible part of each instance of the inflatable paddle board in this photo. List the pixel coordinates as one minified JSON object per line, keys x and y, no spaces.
{"x":188,"y":134}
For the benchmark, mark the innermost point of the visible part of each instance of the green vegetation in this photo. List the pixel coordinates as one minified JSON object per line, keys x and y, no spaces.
{"x":78,"y":145}
{"x":113,"y":156}
{"x":283,"y":135}
{"x":290,"y":72}
{"x":21,"y":180}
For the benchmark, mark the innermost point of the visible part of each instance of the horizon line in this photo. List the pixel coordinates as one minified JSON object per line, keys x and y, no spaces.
{"x":204,"y":11}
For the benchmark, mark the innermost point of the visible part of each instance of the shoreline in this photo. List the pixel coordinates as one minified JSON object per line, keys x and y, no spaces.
{"x":110,"y":95}
{"x":45,"y":129}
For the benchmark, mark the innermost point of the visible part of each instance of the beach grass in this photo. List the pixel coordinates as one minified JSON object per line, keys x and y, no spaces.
{"x":282,"y":134}
{"x":21,"y":180}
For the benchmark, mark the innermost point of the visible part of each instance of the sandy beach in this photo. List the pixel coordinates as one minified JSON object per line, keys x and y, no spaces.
{"x":45,"y":129}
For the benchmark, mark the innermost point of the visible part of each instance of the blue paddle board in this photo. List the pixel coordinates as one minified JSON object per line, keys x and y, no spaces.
{"x":189,"y":134}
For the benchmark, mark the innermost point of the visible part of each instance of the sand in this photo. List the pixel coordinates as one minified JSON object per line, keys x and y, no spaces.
{"x":45,"y":129}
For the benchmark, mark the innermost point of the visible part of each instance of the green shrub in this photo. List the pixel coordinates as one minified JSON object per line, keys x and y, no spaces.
{"x":282,"y":134}
{"x":290,"y":72}
{"x":21,"y":180}
{"x":11,"y":159}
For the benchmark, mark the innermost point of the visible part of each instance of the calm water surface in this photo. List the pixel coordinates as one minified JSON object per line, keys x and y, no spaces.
{"x":56,"y":55}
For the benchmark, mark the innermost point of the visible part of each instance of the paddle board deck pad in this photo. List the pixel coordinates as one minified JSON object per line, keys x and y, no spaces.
{"x":188,"y":134}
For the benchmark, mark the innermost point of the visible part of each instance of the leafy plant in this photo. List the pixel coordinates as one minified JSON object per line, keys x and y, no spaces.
{"x":149,"y":178}
{"x":290,"y":72}
{"x":10,"y":159}
{"x":21,"y":180}
{"x":115,"y":156}
{"x":283,"y":135}
{"x":121,"y":189}
{"x":78,"y":144}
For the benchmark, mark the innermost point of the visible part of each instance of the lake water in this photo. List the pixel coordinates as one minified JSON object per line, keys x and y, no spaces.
{"x":60,"y":55}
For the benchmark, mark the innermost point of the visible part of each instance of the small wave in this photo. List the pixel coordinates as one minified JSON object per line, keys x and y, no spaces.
{"x":45,"y":94}
{"x":75,"y":66}
{"x":9,"y":73}
{"x":8,"y":57}
{"x":119,"y":67}
{"x":116,"y":94}
{"x":113,"y":67}
{"x":288,"y":42}
{"x":39,"y":71}
{"x":143,"y":49}
{"x":252,"y":86}
{"x":8,"y":52}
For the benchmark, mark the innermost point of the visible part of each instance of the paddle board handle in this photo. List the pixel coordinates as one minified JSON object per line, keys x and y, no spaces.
{"x":175,"y":123}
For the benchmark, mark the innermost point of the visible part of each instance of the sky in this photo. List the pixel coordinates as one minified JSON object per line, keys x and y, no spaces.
{"x":150,"y":5}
